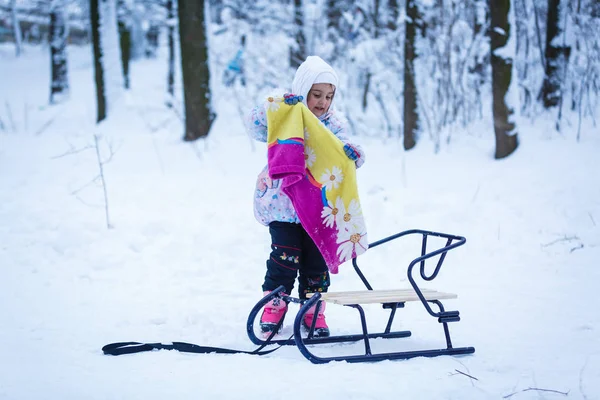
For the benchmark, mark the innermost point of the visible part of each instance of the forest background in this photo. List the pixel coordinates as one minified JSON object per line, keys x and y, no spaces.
{"x":126,"y":183}
{"x":409,"y":69}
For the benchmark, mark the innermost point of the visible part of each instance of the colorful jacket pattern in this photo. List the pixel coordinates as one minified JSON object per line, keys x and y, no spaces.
{"x":270,"y":203}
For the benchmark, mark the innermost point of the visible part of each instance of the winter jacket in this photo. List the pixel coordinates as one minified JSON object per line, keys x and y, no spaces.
{"x":270,"y":203}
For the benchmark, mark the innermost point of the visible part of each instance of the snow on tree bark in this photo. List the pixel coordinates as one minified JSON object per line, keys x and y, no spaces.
{"x":98,"y":68}
{"x":334,"y":10}
{"x":111,"y":51}
{"x":504,"y":94}
{"x":16,"y":28}
{"x":556,"y":55}
{"x":124,"y":15}
{"x":298,"y":50}
{"x":107,"y":66}
{"x":59,"y":83}
{"x":171,"y":22}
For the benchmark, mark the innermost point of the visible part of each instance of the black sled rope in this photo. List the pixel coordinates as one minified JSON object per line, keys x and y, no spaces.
{"x":119,"y":348}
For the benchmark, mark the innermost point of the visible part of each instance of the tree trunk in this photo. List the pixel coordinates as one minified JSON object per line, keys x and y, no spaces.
{"x":59,"y":84}
{"x":368,"y":75}
{"x":411,"y":114}
{"x":171,"y":60}
{"x":124,"y":23}
{"x":334,"y":14}
{"x":334,"y":10}
{"x":522,"y":49}
{"x":16,"y":28}
{"x":298,"y":52}
{"x":502,"y":63}
{"x":479,"y":63}
{"x":366,"y":88}
{"x":199,"y":115}
{"x":393,"y":9}
{"x":216,"y":8}
{"x":556,"y":57}
{"x":98,"y":68}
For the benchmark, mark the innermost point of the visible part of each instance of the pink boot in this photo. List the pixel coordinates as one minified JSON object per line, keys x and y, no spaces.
{"x":321,"y":328}
{"x":273,"y":312}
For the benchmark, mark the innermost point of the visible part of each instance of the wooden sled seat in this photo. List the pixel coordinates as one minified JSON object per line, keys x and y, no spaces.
{"x":382,"y":296}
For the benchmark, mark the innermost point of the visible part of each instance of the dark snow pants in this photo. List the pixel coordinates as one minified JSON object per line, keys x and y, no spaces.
{"x":294,"y":253}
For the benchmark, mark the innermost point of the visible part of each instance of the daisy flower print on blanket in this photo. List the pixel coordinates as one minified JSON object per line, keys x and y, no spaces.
{"x":319,"y":179}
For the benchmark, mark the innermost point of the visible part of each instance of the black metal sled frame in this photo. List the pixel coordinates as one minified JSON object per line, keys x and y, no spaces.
{"x":392,"y":300}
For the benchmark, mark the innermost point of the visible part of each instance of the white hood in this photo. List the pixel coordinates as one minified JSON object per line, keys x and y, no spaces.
{"x":313,"y":70}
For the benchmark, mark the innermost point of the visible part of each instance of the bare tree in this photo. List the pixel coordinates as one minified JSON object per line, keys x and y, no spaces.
{"x":334,"y":14}
{"x":522,"y":50}
{"x":98,"y":68}
{"x":502,"y":63}
{"x":199,"y":114}
{"x":171,"y":60}
{"x":216,"y":7}
{"x":105,"y":43}
{"x":59,"y":80}
{"x":374,"y":23}
{"x":392,"y":16}
{"x":334,"y":11}
{"x":298,"y":51}
{"x":556,"y":56}
{"x":16,"y":27}
{"x":411,"y":114}
{"x":124,"y":23}
{"x":584,"y":65}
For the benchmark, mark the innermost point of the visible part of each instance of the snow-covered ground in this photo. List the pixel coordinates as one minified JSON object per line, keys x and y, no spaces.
{"x":184,"y":259}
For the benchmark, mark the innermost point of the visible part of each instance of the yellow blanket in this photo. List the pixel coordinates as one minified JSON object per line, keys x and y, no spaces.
{"x":319,"y":179}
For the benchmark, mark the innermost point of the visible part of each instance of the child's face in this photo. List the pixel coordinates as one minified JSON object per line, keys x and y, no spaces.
{"x":320,"y":97}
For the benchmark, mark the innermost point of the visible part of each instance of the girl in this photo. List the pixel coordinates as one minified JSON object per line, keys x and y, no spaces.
{"x":293,"y":252}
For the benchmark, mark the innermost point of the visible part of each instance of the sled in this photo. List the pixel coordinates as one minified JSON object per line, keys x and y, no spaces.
{"x":389,"y":299}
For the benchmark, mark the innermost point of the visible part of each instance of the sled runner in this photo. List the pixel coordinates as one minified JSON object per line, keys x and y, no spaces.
{"x":389,"y":299}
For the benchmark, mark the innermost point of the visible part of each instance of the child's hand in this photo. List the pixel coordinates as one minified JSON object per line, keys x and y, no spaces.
{"x":291,"y":99}
{"x":351,"y":152}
